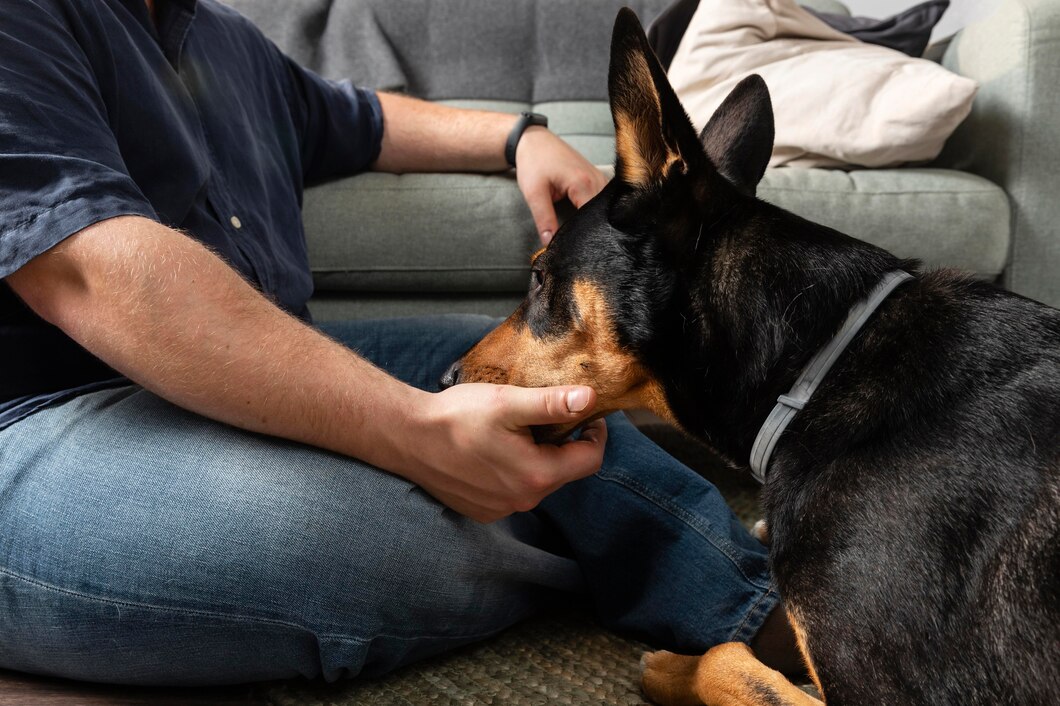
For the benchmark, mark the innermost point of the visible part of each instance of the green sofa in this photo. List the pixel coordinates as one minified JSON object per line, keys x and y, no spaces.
{"x":384,"y":245}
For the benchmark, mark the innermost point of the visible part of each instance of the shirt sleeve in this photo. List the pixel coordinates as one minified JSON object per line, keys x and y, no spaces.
{"x":60,"y":167}
{"x":342,"y":125}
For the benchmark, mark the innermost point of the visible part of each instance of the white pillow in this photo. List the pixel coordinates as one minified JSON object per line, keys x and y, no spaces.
{"x":836,"y":100}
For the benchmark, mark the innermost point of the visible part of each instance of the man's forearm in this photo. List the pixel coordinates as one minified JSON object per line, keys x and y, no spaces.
{"x":170,"y":315}
{"x":419,"y":136}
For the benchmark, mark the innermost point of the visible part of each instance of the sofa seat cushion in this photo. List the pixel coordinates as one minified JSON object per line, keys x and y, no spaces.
{"x":473,"y":233}
{"x":440,"y":232}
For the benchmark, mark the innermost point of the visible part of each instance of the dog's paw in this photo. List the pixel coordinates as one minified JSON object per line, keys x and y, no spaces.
{"x":668,"y":679}
{"x":761,"y":532}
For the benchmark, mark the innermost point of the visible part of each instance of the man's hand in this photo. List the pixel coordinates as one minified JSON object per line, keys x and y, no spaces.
{"x":548,"y":169}
{"x":476,"y":453}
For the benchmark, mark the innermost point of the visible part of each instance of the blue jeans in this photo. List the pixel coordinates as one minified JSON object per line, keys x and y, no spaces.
{"x":140,"y":543}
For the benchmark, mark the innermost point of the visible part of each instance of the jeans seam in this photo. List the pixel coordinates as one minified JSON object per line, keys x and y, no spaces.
{"x":737,"y":634}
{"x":233,"y":616}
{"x":684,"y":516}
{"x":409,"y":638}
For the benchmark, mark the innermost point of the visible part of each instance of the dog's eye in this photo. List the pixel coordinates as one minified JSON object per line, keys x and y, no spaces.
{"x":537,"y":278}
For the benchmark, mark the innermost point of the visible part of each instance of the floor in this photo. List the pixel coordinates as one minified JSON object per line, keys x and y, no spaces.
{"x":26,"y":690}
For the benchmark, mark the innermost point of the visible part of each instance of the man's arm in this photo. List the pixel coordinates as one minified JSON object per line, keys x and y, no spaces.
{"x":169,"y":314}
{"x":425,"y":137}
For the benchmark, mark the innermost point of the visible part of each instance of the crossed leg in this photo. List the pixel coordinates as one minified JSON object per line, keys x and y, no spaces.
{"x":143,"y":544}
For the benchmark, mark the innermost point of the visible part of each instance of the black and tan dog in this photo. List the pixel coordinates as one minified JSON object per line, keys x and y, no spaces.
{"x":913,"y":504}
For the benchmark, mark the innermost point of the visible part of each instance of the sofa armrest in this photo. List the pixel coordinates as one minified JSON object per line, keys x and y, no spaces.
{"x":1012,"y":135}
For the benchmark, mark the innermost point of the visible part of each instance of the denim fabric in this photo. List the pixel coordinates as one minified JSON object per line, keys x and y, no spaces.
{"x":140,"y":543}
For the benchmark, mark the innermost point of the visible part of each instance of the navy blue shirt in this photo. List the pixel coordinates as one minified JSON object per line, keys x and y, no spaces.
{"x":201,"y":124}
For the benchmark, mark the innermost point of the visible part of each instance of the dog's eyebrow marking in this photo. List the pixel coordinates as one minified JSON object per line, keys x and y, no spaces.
{"x":533,"y":258}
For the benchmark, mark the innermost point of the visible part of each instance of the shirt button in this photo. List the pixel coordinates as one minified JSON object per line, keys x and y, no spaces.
{"x":236,"y":223}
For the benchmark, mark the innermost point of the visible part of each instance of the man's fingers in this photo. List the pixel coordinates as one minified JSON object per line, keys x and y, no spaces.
{"x":579,"y":194}
{"x":595,"y":432}
{"x":539,"y":199}
{"x":579,"y":458}
{"x":583,"y":190}
{"x":531,"y":406}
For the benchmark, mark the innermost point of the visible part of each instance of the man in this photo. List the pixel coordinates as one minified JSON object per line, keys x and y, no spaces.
{"x":190,"y":483}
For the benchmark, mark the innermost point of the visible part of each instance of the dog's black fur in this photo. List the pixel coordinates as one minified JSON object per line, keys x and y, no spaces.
{"x":914,"y":504}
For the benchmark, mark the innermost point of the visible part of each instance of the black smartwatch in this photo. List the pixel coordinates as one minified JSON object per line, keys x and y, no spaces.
{"x":525,"y":120}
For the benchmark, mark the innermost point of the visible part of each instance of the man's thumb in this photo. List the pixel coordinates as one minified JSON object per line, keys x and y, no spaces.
{"x":549,"y":405}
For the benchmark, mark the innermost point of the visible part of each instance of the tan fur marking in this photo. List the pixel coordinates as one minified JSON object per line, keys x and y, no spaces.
{"x":727,"y":675}
{"x":801,"y":641}
{"x":588,"y":354}
{"x":645,"y":156}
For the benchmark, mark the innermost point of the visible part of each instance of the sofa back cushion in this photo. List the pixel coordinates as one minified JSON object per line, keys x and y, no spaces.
{"x":529,"y":51}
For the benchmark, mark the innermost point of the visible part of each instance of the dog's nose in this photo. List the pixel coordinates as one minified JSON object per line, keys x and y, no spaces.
{"x":451,"y":376}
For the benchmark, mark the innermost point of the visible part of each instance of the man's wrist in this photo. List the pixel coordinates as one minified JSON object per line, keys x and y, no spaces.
{"x":400,"y":432}
{"x":533,"y":138}
{"x":525,"y":122}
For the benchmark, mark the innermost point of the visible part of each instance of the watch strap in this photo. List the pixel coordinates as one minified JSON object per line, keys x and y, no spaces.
{"x":525,"y":120}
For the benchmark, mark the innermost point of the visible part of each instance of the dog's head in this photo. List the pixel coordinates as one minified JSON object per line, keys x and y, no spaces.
{"x":608,"y":294}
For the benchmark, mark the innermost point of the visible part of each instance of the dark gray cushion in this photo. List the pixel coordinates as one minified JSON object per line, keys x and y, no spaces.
{"x":668,"y":29}
{"x":908,"y":31}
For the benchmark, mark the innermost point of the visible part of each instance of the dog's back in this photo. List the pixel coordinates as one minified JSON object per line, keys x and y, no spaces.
{"x":927,"y":473}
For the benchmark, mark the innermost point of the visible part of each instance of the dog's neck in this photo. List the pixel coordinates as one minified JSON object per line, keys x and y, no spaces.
{"x":816,"y":371}
{"x":780,"y":287}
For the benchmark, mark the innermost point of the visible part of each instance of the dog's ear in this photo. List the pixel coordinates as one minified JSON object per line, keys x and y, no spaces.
{"x":653,"y":134}
{"x":738,"y":138}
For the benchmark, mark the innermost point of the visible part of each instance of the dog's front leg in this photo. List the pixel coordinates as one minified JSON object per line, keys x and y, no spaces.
{"x":727,"y":675}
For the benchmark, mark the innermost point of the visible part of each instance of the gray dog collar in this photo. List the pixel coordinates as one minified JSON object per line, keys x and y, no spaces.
{"x":815,"y":371}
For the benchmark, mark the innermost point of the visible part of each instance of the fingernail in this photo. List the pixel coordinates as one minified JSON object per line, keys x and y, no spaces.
{"x":546,"y":236}
{"x":577,"y":399}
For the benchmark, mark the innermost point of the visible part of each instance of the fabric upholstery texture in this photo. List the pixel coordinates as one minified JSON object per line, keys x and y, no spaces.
{"x":836,"y":101}
{"x":481,"y":233}
{"x":1012,"y":136}
{"x":521,"y":50}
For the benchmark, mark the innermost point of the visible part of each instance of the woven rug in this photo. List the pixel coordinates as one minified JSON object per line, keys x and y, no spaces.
{"x":555,"y":660}
{"x":561,"y":659}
